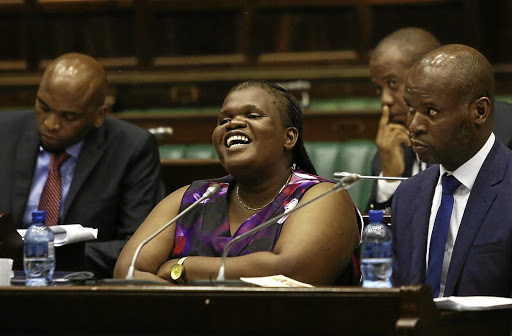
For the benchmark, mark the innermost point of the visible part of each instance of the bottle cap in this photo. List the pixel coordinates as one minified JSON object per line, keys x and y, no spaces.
{"x":39,"y":216}
{"x":375,"y":216}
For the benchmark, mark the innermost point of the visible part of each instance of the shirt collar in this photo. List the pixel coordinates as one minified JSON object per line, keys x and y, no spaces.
{"x":468,"y":172}
{"x":73,"y":151}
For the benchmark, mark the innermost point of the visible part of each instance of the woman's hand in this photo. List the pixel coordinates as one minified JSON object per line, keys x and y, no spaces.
{"x":154,"y":254}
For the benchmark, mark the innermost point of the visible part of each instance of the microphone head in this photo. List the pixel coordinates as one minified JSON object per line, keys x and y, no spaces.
{"x":339,"y":175}
{"x":212,"y":190}
{"x":349,"y":180}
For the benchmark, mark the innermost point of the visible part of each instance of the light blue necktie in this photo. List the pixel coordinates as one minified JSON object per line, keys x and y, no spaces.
{"x":440,"y":233}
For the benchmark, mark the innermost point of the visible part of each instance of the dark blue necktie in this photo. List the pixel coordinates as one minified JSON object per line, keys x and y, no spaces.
{"x":440,"y":233}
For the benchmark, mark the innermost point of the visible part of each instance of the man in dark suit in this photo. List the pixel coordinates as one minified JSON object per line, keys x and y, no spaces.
{"x":389,"y":64}
{"x":110,"y":176}
{"x":452,"y":226}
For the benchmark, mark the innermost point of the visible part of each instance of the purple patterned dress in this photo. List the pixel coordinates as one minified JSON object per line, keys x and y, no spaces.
{"x":205,"y":230}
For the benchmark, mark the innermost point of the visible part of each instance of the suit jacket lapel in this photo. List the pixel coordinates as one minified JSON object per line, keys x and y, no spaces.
{"x":419,"y":225}
{"x":482,"y":196}
{"x":91,"y":152}
{"x":25,"y":162}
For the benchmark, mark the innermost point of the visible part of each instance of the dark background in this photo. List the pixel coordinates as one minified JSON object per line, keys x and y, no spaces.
{"x":188,"y":53}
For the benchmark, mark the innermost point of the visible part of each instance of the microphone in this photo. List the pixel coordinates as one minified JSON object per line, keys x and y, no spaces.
{"x":341,"y":175}
{"x":344,"y":183}
{"x":212,"y":190}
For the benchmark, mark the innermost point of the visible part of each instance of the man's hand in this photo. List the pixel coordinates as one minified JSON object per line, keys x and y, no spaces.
{"x":390,"y":138}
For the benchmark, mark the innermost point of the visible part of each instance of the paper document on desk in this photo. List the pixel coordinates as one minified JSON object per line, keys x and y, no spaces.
{"x":462,"y":303}
{"x":275,"y":281}
{"x":69,"y":233}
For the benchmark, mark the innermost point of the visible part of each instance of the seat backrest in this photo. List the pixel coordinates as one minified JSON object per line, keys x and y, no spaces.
{"x":187,"y":151}
{"x":328,"y":157}
{"x":354,"y":156}
{"x":172,"y":151}
{"x":200,"y":151}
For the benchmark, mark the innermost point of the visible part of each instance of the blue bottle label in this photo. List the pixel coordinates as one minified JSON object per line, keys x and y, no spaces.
{"x":376,"y":250}
{"x":39,"y":250}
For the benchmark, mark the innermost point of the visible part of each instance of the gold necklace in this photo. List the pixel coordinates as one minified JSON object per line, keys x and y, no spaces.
{"x":261,"y":207}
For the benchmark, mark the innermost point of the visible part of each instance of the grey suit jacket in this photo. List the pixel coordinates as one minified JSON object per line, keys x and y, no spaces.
{"x":481,"y":262}
{"x":116,"y":182}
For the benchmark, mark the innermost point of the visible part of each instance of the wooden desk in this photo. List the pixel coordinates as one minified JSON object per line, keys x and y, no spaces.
{"x":189,"y":310}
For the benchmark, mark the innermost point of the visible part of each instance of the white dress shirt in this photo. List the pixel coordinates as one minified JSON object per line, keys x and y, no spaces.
{"x":466,"y":174}
{"x":386,"y":189}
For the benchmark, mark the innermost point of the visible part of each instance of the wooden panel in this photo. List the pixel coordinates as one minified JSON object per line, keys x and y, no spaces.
{"x":145,"y":310}
{"x":181,"y":172}
{"x":67,"y":6}
{"x":188,"y":128}
{"x":203,"y":5}
{"x":318,"y":126}
{"x":15,"y":6}
{"x":200,"y":60}
{"x":312,"y":57}
{"x":338,"y":3}
{"x":150,"y":47}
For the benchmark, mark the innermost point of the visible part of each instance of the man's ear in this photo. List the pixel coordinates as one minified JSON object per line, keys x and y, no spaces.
{"x":482,"y":110}
{"x":101,"y":113}
{"x":292,"y":134}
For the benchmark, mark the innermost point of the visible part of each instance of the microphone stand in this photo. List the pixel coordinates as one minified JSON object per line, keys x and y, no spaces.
{"x":340,"y":175}
{"x":212,"y":190}
{"x":345,"y":183}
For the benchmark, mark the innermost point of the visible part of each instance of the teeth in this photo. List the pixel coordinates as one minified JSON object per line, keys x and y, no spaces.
{"x":237,"y":138}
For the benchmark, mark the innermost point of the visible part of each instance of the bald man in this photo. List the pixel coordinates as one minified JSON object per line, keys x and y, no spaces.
{"x":452,"y":226}
{"x":110,"y":175}
{"x":390,"y":63}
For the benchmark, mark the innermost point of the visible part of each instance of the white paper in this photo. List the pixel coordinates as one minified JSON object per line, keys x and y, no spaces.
{"x":461,"y":303}
{"x":275,"y":281}
{"x":69,"y":233}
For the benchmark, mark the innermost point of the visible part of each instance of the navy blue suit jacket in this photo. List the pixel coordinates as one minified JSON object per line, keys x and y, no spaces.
{"x":502,"y":130}
{"x":481,"y":262}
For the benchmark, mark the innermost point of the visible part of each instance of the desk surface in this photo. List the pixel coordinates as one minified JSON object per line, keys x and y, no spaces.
{"x":191,"y":310}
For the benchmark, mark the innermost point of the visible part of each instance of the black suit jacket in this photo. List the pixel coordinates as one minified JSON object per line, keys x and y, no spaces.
{"x":502,"y":131}
{"x":409,"y":158}
{"x":481,"y":262}
{"x":116,"y":182}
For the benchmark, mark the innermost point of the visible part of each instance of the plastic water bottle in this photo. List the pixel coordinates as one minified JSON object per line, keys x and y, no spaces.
{"x":376,"y":252}
{"x":39,"y":252}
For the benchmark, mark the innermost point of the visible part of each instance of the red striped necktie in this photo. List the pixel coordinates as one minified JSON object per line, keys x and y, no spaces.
{"x":52,"y":191}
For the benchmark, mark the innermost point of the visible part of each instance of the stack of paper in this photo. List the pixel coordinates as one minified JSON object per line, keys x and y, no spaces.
{"x":68,"y":234}
{"x":275,"y":281}
{"x":461,"y":303}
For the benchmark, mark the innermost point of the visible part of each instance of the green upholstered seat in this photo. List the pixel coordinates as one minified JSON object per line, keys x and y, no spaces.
{"x":172,"y":151}
{"x":200,"y":151}
{"x":187,"y":151}
{"x":354,"y":156}
{"x":328,"y":157}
